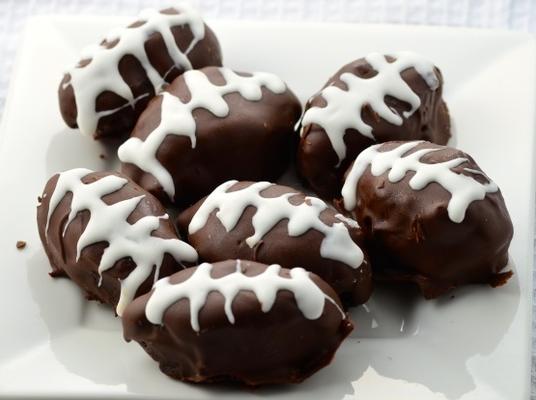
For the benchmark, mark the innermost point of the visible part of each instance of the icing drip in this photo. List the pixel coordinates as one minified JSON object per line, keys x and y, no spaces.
{"x":343,"y":108}
{"x":177,"y":118}
{"x":350,"y":222}
{"x":108,"y":223}
{"x":102,"y":73}
{"x":310,"y":299}
{"x":463,"y":189}
{"x":337,"y":244}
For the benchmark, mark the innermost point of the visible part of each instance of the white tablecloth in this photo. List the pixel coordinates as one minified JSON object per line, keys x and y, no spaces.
{"x":501,"y":14}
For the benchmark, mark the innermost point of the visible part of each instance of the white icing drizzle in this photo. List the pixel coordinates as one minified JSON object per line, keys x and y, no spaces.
{"x":310,"y":299}
{"x":337,"y":243}
{"x":350,"y":222}
{"x":102,"y":73}
{"x":177,"y":118}
{"x":463,"y":189}
{"x":343,"y":108}
{"x":109,"y":223}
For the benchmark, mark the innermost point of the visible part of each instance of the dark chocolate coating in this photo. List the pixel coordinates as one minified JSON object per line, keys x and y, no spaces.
{"x":410,"y":236}
{"x":118,"y":125}
{"x":61,"y":250}
{"x":279,"y":346}
{"x":214,"y":243}
{"x":254,"y":141}
{"x":317,"y":160}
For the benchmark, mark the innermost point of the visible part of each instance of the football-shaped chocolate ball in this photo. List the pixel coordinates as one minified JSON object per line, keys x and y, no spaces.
{"x":373,"y":99}
{"x":276,"y":224}
{"x":430,"y":215}
{"x":209,"y":126}
{"x":239,"y":321}
{"x":112,"y":238}
{"x":104,"y":94}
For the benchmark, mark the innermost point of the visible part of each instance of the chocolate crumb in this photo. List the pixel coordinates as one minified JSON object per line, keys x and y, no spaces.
{"x":102,"y":156}
{"x":39,"y":199}
{"x":21,"y":244}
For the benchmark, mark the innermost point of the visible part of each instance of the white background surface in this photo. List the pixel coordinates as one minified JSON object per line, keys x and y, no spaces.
{"x":453,"y":348}
{"x":518,"y":15}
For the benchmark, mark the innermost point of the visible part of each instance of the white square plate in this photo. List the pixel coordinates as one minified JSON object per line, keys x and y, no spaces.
{"x":473,"y":346}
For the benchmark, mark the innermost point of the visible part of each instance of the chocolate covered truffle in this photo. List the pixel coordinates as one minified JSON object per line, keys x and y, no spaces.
{"x":373,"y":99}
{"x":209,"y":126}
{"x":430,"y":215}
{"x":239,"y":321}
{"x":111,"y":85}
{"x":276,"y":224}
{"x":108,"y":235}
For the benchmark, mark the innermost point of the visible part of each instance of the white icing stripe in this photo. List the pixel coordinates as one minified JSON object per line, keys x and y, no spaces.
{"x":463,"y":189}
{"x":102,"y":73}
{"x":337,"y":243}
{"x":344,"y":107}
{"x":310,"y":299}
{"x":350,"y":222}
{"x":177,"y":118}
{"x":108,"y":223}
